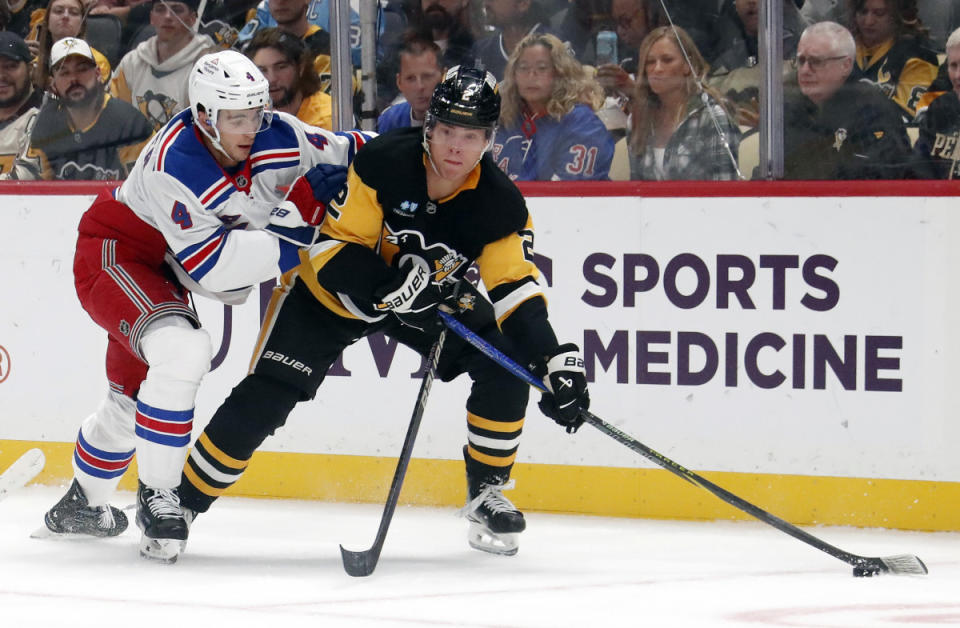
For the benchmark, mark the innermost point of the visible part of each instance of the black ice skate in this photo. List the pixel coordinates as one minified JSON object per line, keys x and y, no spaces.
{"x":163,"y":523}
{"x":73,"y":515}
{"x":495,"y":523}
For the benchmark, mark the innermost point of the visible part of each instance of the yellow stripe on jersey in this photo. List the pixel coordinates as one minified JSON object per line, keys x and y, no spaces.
{"x":199,"y":484}
{"x":319,"y":255}
{"x":493,"y":461}
{"x":217,"y":454}
{"x":494,"y":426}
{"x":507,"y":259}
{"x":359,"y":219}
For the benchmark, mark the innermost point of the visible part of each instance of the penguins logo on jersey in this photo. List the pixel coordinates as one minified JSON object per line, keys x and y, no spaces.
{"x":158,"y":108}
{"x":442,"y":260}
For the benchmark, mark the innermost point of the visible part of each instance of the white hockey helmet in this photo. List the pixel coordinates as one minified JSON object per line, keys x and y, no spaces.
{"x":227,"y":80}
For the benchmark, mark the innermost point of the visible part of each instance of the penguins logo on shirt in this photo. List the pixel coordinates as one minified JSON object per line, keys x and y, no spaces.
{"x":443,"y":261}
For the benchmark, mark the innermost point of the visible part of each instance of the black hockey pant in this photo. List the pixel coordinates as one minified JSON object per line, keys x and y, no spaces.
{"x":298,"y":344}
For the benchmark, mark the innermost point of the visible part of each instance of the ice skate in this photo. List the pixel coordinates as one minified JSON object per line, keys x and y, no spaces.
{"x":495,"y":523}
{"x":73,"y":515}
{"x":164,"y":525}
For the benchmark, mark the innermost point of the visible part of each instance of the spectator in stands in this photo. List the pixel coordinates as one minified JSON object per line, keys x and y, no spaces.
{"x":578,"y":25}
{"x":735,"y":72}
{"x":82,"y":133}
{"x":836,"y":126}
{"x":813,"y":11}
{"x":19,"y":100}
{"x":938,"y":144}
{"x":679,"y":128}
{"x":61,"y":18}
{"x":21,"y":16}
{"x":445,"y":22}
{"x":892,"y":50}
{"x":287,"y":64}
{"x":513,"y":20}
{"x":420,"y":72}
{"x":153,"y":76}
{"x":633,"y":20}
{"x":548,"y":128}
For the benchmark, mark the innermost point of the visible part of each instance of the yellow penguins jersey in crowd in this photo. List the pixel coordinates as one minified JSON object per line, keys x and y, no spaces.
{"x":15,"y":135}
{"x":903,"y":69}
{"x":387,"y":214}
{"x":317,"y":110}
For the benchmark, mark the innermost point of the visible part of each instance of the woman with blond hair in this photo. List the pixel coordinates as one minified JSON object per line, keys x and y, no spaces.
{"x":61,"y":18}
{"x":678,"y":129}
{"x":548,"y":128}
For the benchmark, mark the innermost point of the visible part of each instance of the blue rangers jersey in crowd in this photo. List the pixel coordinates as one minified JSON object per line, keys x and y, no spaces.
{"x":213,"y":220}
{"x":395,"y":117}
{"x":317,"y":13}
{"x":576,"y":147}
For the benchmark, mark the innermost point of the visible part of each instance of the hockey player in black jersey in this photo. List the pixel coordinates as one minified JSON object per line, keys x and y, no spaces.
{"x":420,"y":208}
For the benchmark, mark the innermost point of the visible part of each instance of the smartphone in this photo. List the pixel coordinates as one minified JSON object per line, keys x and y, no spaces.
{"x":606,"y":48}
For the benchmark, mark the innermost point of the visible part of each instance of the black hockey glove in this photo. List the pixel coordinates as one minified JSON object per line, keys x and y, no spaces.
{"x":566,"y":383}
{"x":411,"y":296}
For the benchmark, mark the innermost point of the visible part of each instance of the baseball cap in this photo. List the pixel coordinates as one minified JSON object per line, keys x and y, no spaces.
{"x":69,"y":46}
{"x":13,"y":47}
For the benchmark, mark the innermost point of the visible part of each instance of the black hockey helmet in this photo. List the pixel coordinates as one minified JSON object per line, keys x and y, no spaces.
{"x":466,"y":97}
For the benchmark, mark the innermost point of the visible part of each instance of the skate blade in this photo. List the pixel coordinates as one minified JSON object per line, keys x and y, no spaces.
{"x":165,"y":551}
{"x":504,"y":544}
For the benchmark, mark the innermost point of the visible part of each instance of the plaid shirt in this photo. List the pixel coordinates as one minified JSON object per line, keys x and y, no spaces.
{"x":696,"y":150}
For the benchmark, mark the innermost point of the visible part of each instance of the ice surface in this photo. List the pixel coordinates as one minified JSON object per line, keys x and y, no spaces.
{"x":277,"y":563}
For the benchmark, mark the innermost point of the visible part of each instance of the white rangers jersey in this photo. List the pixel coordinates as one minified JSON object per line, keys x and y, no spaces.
{"x":212,"y":220}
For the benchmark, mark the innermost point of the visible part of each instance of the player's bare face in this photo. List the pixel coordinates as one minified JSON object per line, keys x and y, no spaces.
{"x":280,"y":72}
{"x":455,"y":150}
{"x":172,"y":20}
{"x":534,"y":74}
{"x":288,"y":11}
{"x":665,"y":67}
{"x":874,"y":20}
{"x":419,"y":75}
{"x":76,"y":81}
{"x":953,"y":68}
{"x":237,"y":131}
{"x":66,"y":17}
{"x":14,"y":81}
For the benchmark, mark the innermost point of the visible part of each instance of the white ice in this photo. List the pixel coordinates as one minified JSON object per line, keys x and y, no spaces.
{"x":275,"y":563}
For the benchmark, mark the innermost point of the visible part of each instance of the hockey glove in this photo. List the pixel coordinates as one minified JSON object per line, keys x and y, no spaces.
{"x":411,"y":296}
{"x":566,"y":383}
{"x":306,"y":202}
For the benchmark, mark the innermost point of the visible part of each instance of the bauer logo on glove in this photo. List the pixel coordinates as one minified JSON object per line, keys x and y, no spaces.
{"x":566,"y":382}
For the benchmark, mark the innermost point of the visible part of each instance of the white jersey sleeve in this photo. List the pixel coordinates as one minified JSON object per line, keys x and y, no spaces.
{"x":213,"y":220}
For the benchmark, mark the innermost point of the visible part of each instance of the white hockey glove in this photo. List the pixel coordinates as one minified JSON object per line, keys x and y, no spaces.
{"x":566,"y":383}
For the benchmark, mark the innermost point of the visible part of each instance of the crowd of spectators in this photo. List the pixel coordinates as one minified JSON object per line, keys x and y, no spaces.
{"x":871,"y":87}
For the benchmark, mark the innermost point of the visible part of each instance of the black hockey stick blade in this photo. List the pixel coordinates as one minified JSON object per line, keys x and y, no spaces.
{"x":904,"y":564}
{"x":362,"y":563}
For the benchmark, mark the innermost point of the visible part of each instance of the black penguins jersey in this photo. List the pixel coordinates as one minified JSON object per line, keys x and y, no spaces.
{"x":903,"y":69}
{"x":387,"y":214}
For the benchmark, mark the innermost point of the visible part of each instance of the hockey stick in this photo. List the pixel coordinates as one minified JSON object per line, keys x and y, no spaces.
{"x":364,"y":562}
{"x":904,"y":564}
{"x":23,"y":469}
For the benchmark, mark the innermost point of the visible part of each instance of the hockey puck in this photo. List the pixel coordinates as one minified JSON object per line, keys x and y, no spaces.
{"x":865,"y":572}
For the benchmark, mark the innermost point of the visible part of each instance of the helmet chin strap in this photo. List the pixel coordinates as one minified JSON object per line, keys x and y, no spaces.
{"x":215,"y":140}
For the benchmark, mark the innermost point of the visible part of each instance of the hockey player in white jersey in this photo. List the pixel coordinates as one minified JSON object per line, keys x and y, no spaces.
{"x":221,"y":199}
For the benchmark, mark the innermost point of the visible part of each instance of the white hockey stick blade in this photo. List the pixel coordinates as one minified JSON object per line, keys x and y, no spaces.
{"x":24,"y":469}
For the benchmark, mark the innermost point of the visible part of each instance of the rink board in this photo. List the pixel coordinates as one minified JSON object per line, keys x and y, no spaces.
{"x":796,"y":349}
